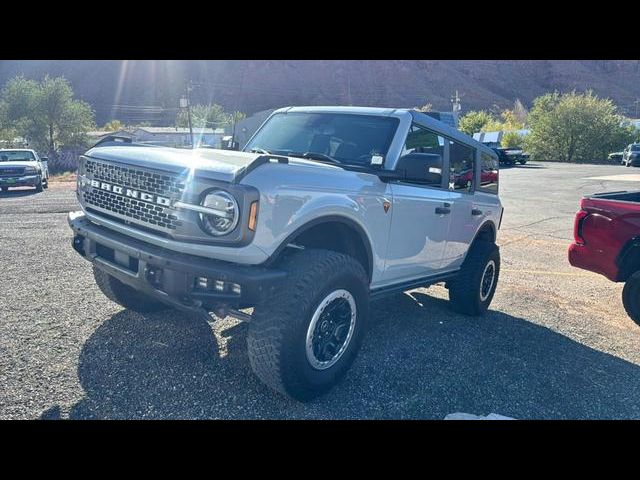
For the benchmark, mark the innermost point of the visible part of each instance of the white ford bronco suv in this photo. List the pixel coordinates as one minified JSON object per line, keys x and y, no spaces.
{"x":326,"y":209}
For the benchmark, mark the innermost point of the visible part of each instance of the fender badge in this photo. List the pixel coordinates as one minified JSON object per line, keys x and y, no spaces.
{"x":386,"y":205}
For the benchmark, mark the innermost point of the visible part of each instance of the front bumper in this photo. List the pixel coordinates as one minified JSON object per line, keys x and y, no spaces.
{"x":169,"y":276}
{"x":21,"y":181}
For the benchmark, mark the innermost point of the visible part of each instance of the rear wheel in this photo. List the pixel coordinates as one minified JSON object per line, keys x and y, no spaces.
{"x":126,"y":296}
{"x":472,"y":291}
{"x":302,"y":341}
{"x":631,"y":297}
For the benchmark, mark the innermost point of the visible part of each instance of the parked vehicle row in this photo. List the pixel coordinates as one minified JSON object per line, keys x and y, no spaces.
{"x":511,"y":156}
{"x":615,"y":157}
{"x":23,"y":168}
{"x":631,"y":155}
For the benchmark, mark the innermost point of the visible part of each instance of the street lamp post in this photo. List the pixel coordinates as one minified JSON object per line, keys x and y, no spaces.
{"x":185,"y":103}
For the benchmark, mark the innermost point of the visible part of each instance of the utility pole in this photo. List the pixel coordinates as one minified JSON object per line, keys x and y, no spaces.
{"x":185,"y":102}
{"x":455,"y":100}
{"x":239,"y":106}
{"x":189,"y":88}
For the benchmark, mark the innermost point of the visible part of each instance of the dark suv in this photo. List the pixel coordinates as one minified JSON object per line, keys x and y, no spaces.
{"x":631,"y":155}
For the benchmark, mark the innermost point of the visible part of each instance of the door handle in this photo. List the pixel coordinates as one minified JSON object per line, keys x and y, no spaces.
{"x":475,"y":212}
{"x":443,"y":210}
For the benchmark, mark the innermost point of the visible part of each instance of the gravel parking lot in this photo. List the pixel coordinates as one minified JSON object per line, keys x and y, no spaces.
{"x":555,"y":344}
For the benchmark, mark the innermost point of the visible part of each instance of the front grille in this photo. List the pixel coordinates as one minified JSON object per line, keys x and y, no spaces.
{"x":7,"y":171}
{"x":154,"y":183}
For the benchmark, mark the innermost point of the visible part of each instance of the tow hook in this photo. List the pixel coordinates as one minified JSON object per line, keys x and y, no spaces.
{"x":222,"y":311}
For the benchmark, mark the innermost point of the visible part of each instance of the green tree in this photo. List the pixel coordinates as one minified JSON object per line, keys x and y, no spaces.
{"x":574,"y":127}
{"x":427,"y":107}
{"x":66,"y":120}
{"x":210,"y":116}
{"x":475,"y":121}
{"x":113,"y":126}
{"x":511,"y":139}
{"x":520,"y":112}
{"x":236,"y":116}
{"x":45,"y":113}
{"x":17,"y":107}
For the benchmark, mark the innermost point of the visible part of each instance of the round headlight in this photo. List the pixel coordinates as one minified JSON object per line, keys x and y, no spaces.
{"x":222,"y":213}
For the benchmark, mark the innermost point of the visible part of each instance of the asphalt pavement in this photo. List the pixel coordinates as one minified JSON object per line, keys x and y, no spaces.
{"x":555,"y":344}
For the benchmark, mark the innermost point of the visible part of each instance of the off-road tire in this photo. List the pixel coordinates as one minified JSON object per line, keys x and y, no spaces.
{"x":126,"y":296}
{"x":276,"y":340}
{"x":631,"y":297}
{"x":465,"y":291}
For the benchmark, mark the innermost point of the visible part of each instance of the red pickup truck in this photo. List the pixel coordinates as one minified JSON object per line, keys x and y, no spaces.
{"x":607,"y":241}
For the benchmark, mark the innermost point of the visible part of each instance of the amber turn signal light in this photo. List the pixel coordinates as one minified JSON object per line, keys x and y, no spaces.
{"x":253,"y":216}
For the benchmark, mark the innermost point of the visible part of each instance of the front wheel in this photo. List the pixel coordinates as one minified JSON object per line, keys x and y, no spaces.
{"x":631,"y":297}
{"x":302,"y":341}
{"x":39,"y":185}
{"x":472,"y":291}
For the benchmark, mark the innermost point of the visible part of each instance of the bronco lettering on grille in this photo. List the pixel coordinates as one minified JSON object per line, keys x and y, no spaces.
{"x":127,"y":192}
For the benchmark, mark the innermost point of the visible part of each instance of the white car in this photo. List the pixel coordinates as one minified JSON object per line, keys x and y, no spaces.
{"x":22,"y":167}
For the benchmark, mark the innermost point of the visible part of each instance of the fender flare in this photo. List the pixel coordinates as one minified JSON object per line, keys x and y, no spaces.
{"x":319,"y":221}
{"x":488,"y":224}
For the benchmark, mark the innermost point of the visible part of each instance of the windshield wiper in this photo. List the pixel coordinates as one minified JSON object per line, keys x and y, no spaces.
{"x":260,"y":150}
{"x":320,"y":156}
{"x":315,"y":156}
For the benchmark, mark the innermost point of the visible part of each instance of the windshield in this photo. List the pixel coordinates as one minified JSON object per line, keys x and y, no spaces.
{"x":348,"y":138}
{"x":16,"y":156}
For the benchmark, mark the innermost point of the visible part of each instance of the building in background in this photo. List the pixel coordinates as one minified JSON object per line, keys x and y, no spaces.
{"x":97,"y":135}
{"x":633,"y":121}
{"x":167,"y":136}
{"x":16,"y":142}
{"x":450,"y":118}
{"x":178,"y":136}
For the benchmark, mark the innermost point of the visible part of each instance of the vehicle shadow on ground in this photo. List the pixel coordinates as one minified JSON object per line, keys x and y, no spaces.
{"x":530,"y":166}
{"x":420,"y":360}
{"x":18,"y":193}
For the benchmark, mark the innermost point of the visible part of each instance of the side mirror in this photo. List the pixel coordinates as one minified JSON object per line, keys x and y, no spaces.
{"x":423,"y":168}
{"x":227,"y":144}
